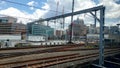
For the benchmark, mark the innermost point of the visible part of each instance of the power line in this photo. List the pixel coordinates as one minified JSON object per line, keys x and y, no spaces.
{"x":28,"y":5}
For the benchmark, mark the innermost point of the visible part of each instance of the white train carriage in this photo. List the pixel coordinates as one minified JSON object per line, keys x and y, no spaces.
{"x":35,"y":38}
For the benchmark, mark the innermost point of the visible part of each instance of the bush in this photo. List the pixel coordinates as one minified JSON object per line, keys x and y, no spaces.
{"x":22,"y":44}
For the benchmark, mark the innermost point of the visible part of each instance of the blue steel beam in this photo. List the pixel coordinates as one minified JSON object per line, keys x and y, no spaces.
{"x":94,"y":15}
{"x":74,"y":13}
{"x":101,"y":45}
{"x":95,"y":19}
{"x":71,"y":28}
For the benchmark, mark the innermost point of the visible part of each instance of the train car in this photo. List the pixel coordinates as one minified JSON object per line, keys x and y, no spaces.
{"x":33,"y":38}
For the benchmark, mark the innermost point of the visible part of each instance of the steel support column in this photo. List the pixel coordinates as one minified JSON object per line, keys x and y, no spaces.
{"x":101,"y":42}
{"x":101,"y":45}
{"x":63,"y":22}
{"x":71,"y":29}
{"x":47,"y":23}
{"x":95,"y":19}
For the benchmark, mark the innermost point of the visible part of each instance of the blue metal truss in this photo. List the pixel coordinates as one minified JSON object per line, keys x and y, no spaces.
{"x":74,"y":13}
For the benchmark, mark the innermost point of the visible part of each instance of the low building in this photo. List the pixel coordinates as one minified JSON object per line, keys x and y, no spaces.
{"x":59,"y":34}
{"x":96,"y":30}
{"x":92,"y":37}
{"x":92,"y":29}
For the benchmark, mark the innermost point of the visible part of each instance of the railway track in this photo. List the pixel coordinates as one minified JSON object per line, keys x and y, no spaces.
{"x":50,"y":50}
{"x":63,"y":60}
{"x":49,"y":61}
{"x":47,"y":50}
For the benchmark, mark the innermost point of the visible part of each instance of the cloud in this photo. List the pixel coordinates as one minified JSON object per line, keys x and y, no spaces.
{"x":16,"y":13}
{"x":2,"y":2}
{"x":50,"y":10}
{"x":46,"y":6}
{"x":67,"y":4}
{"x":112,"y":9}
{"x":112,"y":12}
{"x":32,"y":4}
{"x":23,"y":17}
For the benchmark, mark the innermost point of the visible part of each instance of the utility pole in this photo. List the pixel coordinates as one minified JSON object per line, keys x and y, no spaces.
{"x":56,"y":19}
{"x":118,"y":33}
{"x":70,"y":40}
{"x":47,"y":23}
{"x":63,"y":17}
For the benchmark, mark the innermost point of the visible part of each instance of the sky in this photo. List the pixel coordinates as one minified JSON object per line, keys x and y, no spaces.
{"x":29,"y":10}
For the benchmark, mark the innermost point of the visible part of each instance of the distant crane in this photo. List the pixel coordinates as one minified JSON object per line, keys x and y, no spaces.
{"x":63,"y":18}
{"x":56,"y":13}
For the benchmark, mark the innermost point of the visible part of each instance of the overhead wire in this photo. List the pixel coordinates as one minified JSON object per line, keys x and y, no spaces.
{"x":29,"y":5}
{"x":32,"y":6}
{"x":26,"y":6}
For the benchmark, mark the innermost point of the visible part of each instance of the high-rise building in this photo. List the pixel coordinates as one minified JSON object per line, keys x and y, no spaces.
{"x":8,"y":25}
{"x":8,"y":19}
{"x":79,"y":28}
{"x":92,"y":29}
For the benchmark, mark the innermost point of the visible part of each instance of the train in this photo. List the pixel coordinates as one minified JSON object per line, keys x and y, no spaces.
{"x":33,"y":38}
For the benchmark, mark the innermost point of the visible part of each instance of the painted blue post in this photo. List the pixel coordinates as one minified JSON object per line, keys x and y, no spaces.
{"x":101,"y":46}
{"x":95,"y":20}
{"x":71,"y":27}
{"x":27,"y":32}
{"x":47,"y":23}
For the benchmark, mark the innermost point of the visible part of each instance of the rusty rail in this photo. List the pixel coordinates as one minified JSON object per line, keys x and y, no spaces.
{"x":56,"y":60}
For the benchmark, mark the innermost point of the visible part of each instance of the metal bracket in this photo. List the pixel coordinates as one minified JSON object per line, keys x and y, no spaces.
{"x":95,"y":16}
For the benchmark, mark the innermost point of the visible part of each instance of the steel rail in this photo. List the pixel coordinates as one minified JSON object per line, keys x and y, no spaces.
{"x":61,"y":57}
{"x":64,"y":60}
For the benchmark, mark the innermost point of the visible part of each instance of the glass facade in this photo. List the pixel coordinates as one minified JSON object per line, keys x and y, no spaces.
{"x":3,"y":20}
{"x":38,"y":29}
